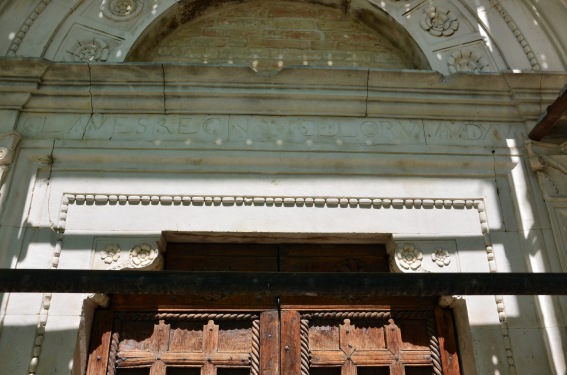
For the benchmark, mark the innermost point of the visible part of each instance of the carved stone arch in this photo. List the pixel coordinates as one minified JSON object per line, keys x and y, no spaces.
{"x":375,"y":19}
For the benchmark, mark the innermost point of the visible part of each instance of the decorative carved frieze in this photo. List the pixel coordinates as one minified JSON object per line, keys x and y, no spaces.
{"x":142,"y":255}
{"x":423,"y":256}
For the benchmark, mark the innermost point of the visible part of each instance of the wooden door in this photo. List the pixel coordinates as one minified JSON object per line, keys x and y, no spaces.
{"x":221,"y":335}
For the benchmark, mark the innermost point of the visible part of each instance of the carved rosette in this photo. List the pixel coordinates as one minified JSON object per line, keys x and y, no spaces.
{"x":121,"y":10}
{"x":467,"y":62}
{"x":143,"y":255}
{"x":441,"y":257}
{"x":91,"y":50}
{"x":110,"y":254}
{"x":439,"y":21}
{"x":408,"y":257}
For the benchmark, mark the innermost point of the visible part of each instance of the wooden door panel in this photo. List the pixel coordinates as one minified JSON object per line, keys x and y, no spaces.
{"x":414,"y":334}
{"x":290,"y":349}
{"x":211,"y":342}
{"x":323,"y":336}
{"x":186,"y":337}
{"x":235,"y":337}
{"x":447,"y":341}
{"x":101,"y":335}
{"x":333,"y":258}
{"x":222,"y":257}
{"x":362,"y":336}
{"x":269,"y":345}
{"x":158,"y":368}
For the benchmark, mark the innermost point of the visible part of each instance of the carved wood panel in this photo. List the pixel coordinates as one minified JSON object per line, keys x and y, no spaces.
{"x":156,"y":343}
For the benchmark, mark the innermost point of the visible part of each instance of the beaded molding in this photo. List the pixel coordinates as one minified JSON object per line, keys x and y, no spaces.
{"x":518,"y":34}
{"x":20,"y":35}
{"x":277,"y":201}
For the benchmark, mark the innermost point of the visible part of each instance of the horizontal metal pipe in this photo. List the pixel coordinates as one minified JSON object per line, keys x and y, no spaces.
{"x":281,"y":283}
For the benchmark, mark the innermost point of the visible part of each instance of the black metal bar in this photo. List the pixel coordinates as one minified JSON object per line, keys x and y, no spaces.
{"x":281,"y":284}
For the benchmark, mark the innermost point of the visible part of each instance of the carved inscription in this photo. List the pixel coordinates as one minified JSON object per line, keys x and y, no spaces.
{"x":248,"y":130}
{"x":127,"y":127}
{"x":323,"y":131}
{"x":451,"y":132}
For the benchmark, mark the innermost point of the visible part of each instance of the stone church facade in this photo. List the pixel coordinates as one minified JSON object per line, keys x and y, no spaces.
{"x":136,"y":133}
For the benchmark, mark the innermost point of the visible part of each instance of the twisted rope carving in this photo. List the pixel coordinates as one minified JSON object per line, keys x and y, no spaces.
{"x":255,"y":352}
{"x":434,"y":347}
{"x":111,"y":368}
{"x":419,"y":314}
{"x":347,"y":315}
{"x":190,"y":317}
{"x":305,"y":354}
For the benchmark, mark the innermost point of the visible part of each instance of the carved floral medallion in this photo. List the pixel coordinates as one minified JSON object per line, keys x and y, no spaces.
{"x":409,"y":257}
{"x":110,"y":254}
{"x":441,"y":257}
{"x":91,"y":50}
{"x":467,"y":62}
{"x":121,"y":10}
{"x":439,"y":21}
{"x":143,"y":255}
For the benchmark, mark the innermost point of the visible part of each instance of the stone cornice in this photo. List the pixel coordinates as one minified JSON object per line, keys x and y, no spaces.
{"x":42,"y":86}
